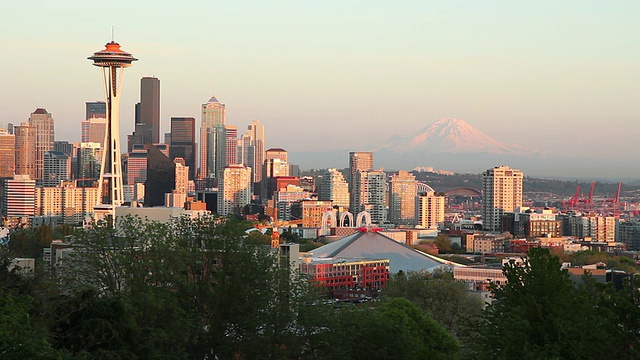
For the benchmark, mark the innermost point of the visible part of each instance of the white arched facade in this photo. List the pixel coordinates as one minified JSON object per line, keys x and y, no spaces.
{"x":346,"y":215}
{"x":363,"y":216}
{"x":328,"y":221}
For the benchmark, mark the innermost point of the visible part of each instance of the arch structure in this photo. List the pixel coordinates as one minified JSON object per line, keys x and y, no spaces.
{"x":328,"y":221}
{"x":423,"y":188}
{"x":346,"y":216}
{"x":363,"y":216}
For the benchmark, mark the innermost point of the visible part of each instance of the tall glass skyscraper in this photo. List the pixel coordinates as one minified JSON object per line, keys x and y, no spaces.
{"x":183,"y":142}
{"x":213,"y":140}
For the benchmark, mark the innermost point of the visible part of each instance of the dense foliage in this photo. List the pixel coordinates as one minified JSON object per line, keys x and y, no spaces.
{"x":541,"y":314}
{"x":195,"y":289}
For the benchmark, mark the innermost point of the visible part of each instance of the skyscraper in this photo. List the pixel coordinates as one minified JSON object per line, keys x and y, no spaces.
{"x":254,"y":144}
{"x":93,"y":130}
{"x":57,"y":168}
{"x":402,"y":198}
{"x":137,"y":165}
{"x":20,"y":193}
{"x":213,"y":140}
{"x":371,"y":194}
{"x":7,"y":154}
{"x":147,"y":114}
{"x":183,"y":142}
{"x":358,"y":161}
{"x":232,"y":145}
{"x":112,"y":60}
{"x":333,"y":187}
{"x":95,"y":109}
{"x":161,"y":177}
{"x":430,"y":210}
{"x":88,"y":158}
{"x":25,"y":149}
{"x":150,"y":108}
{"x":502,"y":192}
{"x":43,"y":122}
{"x":95,"y":123}
{"x":235,"y":190}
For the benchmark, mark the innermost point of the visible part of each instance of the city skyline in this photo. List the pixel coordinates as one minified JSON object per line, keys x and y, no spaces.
{"x":545,"y":75}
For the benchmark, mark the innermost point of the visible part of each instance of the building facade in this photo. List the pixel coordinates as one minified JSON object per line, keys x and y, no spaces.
{"x":213,"y":140}
{"x":430,"y":210}
{"x":43,"y":123}
{"x":7,"y":154}
{"x":333,"y":187}
{"x":19,"y":197}
{"x":25,"y":155}
{"x":358,"y":161}
{"x":57,"y":168}
{"x":183,"y":142}
{"x":502,"y":192}
{"x":236,"y":189}
{"x":403,"y":189}
{"x":370,"y":189}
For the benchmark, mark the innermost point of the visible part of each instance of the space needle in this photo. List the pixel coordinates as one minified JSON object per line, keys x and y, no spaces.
{"x":112,"y":60}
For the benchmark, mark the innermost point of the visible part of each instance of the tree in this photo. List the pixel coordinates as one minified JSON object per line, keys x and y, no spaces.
{"x":443,"y":243}
{"x":539,"y":314}
{"x":438,"y":295}
{"x":396,"y":329}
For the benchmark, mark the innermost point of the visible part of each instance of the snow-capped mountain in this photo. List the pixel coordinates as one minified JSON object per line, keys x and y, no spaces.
{"x":450,"y":135}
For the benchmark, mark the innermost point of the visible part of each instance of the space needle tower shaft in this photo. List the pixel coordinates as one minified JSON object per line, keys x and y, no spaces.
{"x":112,"y":60}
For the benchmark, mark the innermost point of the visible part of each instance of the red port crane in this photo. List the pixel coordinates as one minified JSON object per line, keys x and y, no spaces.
{"x":572,"y":202}
{"x":612,"y":205}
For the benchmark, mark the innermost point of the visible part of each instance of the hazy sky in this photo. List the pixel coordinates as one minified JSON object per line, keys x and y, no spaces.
{"x":560,"y":75}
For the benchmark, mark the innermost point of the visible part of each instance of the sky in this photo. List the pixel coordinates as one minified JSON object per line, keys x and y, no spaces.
{"x":562,"y":77}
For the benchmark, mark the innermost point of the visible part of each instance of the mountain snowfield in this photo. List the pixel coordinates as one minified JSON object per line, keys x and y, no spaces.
{"x":451,"y":135}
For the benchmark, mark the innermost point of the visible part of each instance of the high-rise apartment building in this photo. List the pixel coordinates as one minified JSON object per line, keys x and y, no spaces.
{"x":430,"y":210}
{"x":371,"y":194}
{"x":57,"y":168}
{"x":402,"y":198}
{"x":213,"y":140}
{"x":232,"y":145}
{"x":358,"y":161}
{"x":502,"y":192}
{"x":43,"y":122}
{"x":7,"y":154}
{"x":25,"y":155}
{"x":333,"y":187}
{"x":88,"y":158}
{"x":19,"y":197}
{"x":236,"y":189}
{"x":68,"y":203}
{"x":183,"y":142}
